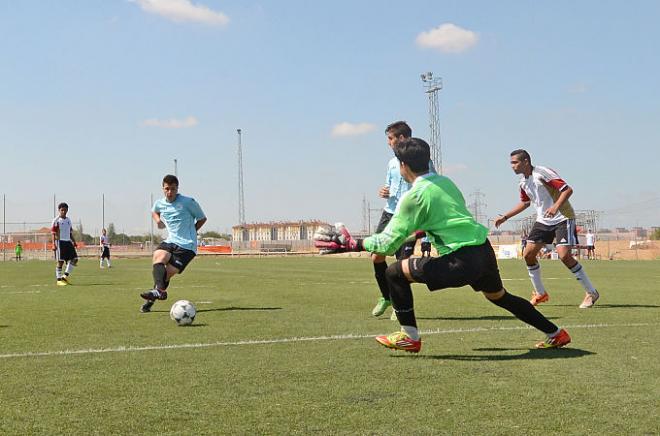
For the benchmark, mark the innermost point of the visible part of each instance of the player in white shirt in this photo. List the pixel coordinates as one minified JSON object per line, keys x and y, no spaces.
{"x":64,"y":245}
{"x":591,"y":245}
{"x":104,"y":243}
{"x":555,"y":221}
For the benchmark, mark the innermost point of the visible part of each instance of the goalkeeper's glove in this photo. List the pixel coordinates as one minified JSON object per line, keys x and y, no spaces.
{"x":335,"y":239}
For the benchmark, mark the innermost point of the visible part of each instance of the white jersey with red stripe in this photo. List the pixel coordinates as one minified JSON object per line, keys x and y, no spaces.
{"x":542,"y":188}
{"x":62,"y":228}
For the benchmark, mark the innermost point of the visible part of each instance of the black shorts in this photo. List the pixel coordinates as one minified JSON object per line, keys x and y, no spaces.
{"x":474,"y":265}
{"x":105,"y":252}
{"x":591,"y":247}
{"x":180,"y":256}
{"x":565,"y":233}
{"x":65,"y":251}
{"x":407,"y":249}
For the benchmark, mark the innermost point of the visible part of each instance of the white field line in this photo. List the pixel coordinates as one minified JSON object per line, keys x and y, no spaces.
{"x":350,"y":336}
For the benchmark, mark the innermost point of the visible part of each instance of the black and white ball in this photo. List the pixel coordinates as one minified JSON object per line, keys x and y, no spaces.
{"x":183,"y":312}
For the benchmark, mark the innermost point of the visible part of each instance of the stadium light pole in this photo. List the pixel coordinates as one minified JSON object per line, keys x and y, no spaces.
{"x":176,"y":170}
{"x":433,"y":85}
{"x":4,"y":226}
{"x":103,"y":212}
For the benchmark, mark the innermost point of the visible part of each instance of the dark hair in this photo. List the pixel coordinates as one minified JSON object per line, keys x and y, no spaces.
{"x":523,"y":154}
{"x":415,"y":153}
{"x":61,"y":205}
{"x":170,"y":180}
{"x":399,"y":128}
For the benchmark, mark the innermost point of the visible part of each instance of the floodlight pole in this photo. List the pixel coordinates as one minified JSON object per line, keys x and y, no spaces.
{"x":433,"y":85}
{"x":241,"y":193}
{"x":176,"y":170}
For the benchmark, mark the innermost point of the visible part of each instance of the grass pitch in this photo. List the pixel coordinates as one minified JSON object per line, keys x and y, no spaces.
{"x":285,"y":346}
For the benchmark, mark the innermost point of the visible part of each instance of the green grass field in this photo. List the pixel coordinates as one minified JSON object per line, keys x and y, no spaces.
{"x":285,"y":346}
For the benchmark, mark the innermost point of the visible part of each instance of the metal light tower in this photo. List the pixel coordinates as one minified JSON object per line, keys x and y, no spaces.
{"x":433,"y":85}
{"x":241,"y":196}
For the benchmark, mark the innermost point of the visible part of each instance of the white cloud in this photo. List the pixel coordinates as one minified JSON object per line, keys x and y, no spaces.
{"x":578,"y":88}
{"x":349,"y":129}
{"x":183,"y":10}
{"x":448,"y":38}
{"x":172,"y":123}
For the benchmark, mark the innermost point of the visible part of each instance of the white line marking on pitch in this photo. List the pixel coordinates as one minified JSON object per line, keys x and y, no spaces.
{"x":123,"y":349}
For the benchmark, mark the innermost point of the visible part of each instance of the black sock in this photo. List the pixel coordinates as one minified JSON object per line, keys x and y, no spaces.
{"x":524,"y":311}
{"x":401,"y":295}
{"x":379,"y":269}
{"x":160,"y":276}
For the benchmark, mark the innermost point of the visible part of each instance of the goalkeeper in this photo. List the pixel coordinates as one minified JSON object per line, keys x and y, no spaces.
{"x":435,"y":205}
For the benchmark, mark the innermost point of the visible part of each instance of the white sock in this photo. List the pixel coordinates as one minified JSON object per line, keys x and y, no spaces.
{"x":69,"y":268}
{"x":101,"y":263}
{"x":582,"y":277}
{"x":411,"y":332}
{"x":58,"y":272}
{"x":534,"y":272}
{"x":108,"y":262}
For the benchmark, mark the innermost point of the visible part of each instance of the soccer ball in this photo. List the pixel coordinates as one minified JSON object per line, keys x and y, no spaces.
{"x":183,"y":312}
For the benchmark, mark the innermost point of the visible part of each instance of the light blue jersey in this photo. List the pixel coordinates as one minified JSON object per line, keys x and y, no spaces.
{"x":397,"y":184}
{"x":180,"y":217}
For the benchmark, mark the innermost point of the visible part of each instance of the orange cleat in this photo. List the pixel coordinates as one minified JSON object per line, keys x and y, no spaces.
{"x":539,"y":298}
{"x":559,"y":340}
{"x":400,"y":341}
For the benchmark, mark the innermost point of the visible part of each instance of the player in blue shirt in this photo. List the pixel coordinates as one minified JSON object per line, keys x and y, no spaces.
{"x":183,"y":217}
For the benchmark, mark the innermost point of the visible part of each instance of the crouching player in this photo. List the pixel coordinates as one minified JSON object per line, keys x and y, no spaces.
{"x":183,"y":217}
{"x":434,"y":204}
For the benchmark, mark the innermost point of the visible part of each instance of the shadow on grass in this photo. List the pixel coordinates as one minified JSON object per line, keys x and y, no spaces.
{"x":477,"y":318}
{"x":614,"y":306}
{"x":225,"y":309}
{"x":529,"y":354}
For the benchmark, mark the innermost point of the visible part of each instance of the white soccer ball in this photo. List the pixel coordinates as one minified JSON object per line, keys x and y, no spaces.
{"x":183,"y":312}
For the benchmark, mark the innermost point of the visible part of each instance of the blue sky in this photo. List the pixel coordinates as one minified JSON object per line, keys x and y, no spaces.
{"x":98,"y":97}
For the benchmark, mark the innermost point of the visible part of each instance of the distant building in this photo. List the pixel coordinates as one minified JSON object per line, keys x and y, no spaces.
{"x":276,"y":231}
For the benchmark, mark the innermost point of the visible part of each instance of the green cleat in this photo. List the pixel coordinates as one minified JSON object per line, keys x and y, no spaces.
{"x":381,"y":306}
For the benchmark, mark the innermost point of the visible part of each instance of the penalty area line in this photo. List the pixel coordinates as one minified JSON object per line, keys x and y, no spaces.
{"x":350,"y":336}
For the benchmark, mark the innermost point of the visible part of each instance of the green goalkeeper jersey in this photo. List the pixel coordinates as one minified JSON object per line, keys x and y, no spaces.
{"x":433,"y":204}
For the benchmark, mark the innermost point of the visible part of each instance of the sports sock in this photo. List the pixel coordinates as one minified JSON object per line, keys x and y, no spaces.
{"x":582,"y":277}
{"x":534,"y":272}
{"x":160,"y":275}
{"x":101,"y":263}
{"x":412,"y":332}
{"x":401,"y":295}
{"x":107,"y":260}
{"x":58,"y":272}
{"x":69,"y":268}
{"x":379,"y":270}
{"x":524,"y":311}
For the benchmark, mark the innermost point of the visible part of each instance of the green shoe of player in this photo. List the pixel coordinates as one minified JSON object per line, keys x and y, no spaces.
{"x":400,"y":341}
{"x":380,"y":307}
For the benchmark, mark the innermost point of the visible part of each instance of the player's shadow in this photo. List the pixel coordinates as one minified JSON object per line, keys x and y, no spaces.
{"x":475,"y":318}
{"x":529,"y":354}
{"x":614,"y":306}
{"x":232,"y":308}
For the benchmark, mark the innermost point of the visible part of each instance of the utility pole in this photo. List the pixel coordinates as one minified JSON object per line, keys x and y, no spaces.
{"x":176,"y":169}
{"x":241,"y":194}
{"x":478,"y":206}
{"x":433,"y":85}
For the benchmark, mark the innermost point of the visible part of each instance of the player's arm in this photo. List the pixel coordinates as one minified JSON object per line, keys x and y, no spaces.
{"x":199,"y":223}
{"x":156,"y":217}
{"x":401,"y":226}
{"x":73,"y":240}
{"x":503,"y":217}
{"x":55,"y":231}
{"x":565,"y":193}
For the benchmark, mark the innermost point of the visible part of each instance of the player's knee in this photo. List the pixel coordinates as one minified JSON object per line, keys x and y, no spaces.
{"x":394,"y":272}
{"x":494,"y":296}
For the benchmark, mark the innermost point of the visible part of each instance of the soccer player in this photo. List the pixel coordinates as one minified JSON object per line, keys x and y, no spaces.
{"x":591,"y":245}
{"x":465,"y":257}
{"x":18,"y":251}
{"x":64,"y":245}
{"x":104,"y":243}
{"x":394,"y":188}
{"x":555,"y":220}
{"x":183,"y":217}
